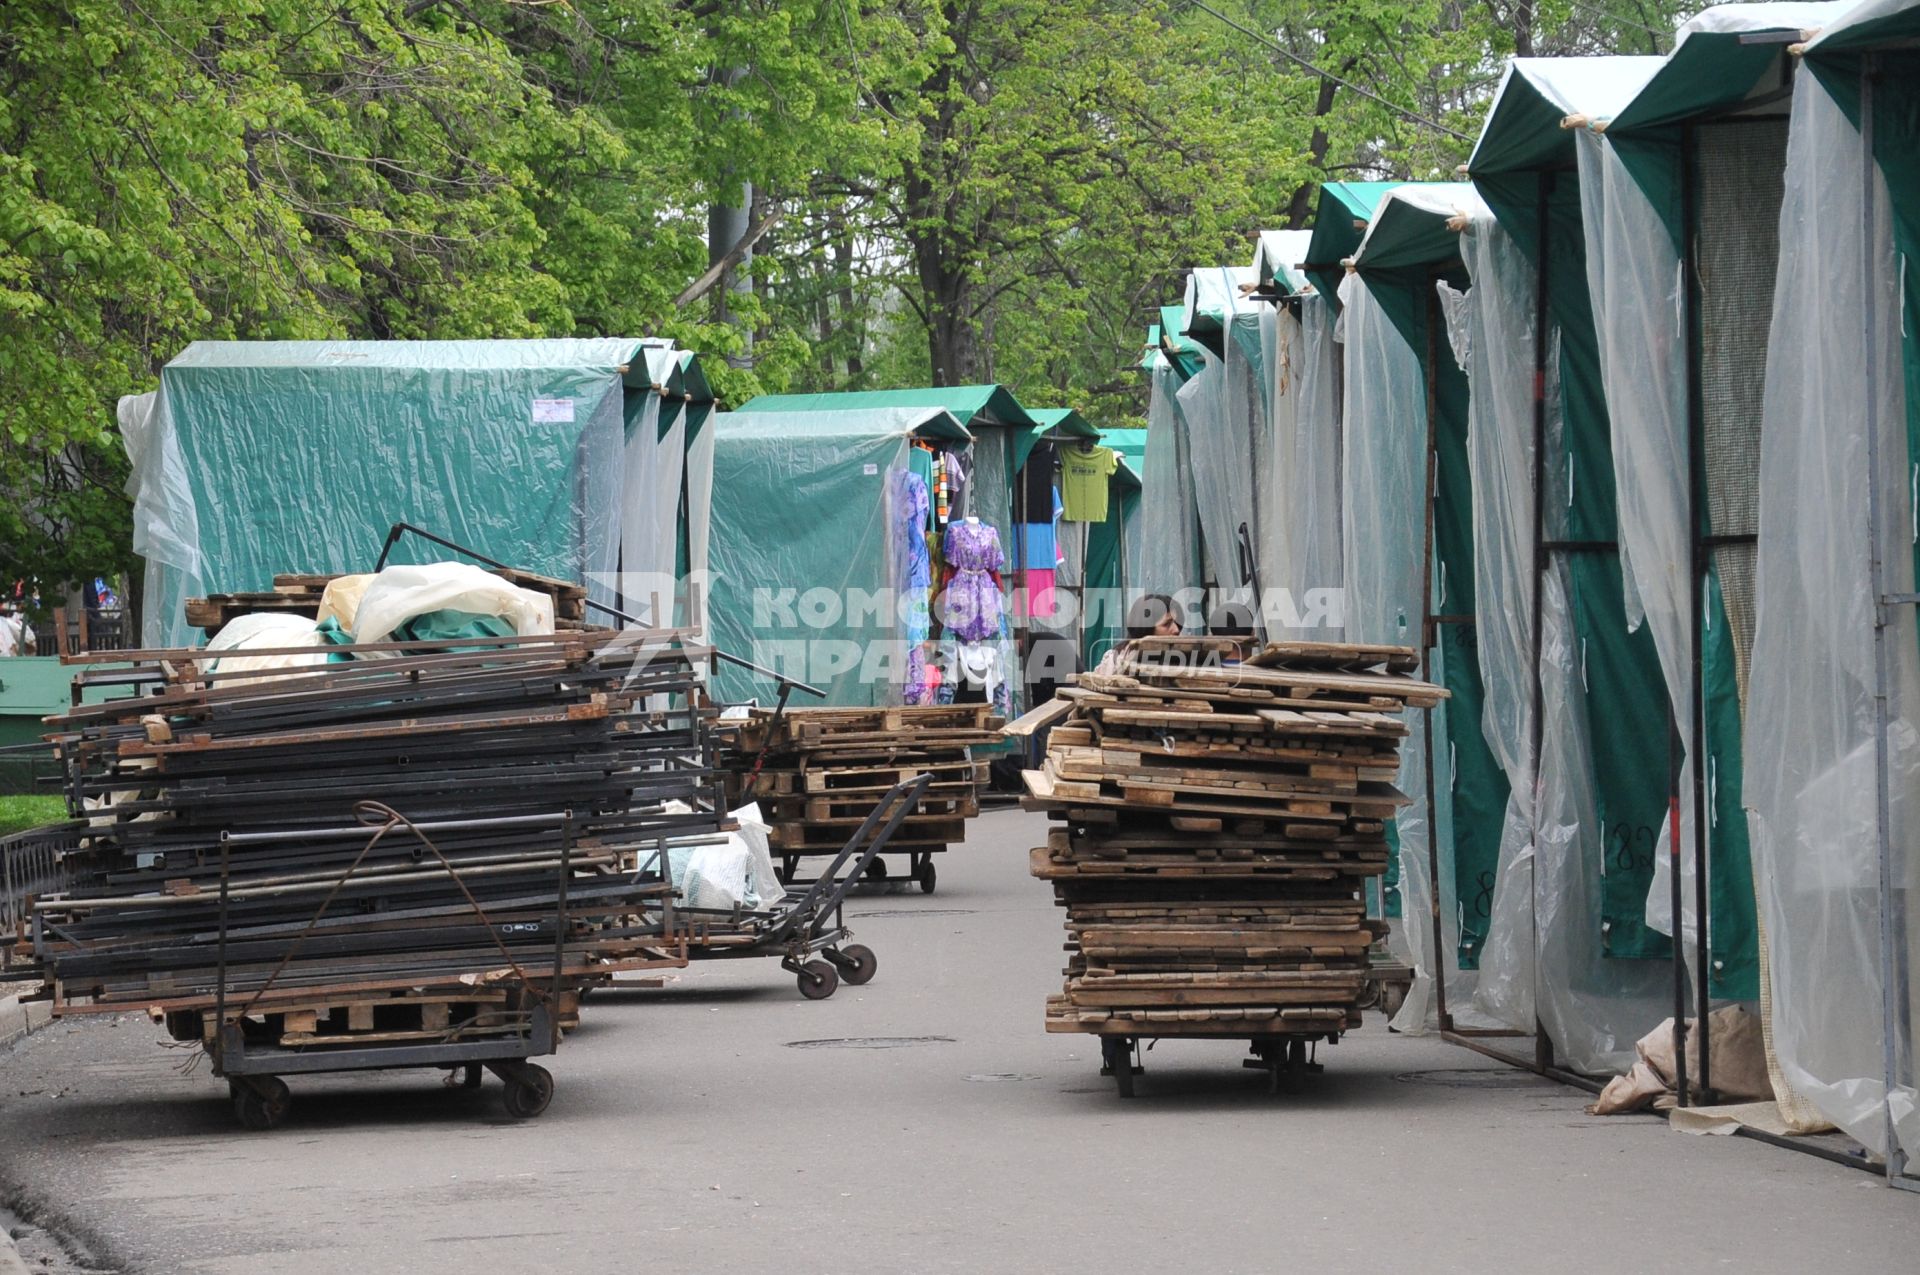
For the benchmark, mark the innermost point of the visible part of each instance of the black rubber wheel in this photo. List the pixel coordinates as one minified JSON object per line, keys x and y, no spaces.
{"x":926,"y":876}
{"x":262,"y":1105}
{"x":877,"y":870}
{"x":861,"y":964}
{"x":528,"y":1092}
{"x":1116,"y":1060}
{"x":474,"y":1074}
{"x":818,"y":980}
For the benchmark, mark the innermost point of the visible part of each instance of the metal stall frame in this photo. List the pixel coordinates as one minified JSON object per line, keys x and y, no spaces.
{"x":1479,"y":1039}
{"x":1895,"y":979}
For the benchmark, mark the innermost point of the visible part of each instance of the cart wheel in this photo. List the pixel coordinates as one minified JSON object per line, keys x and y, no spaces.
{"x":1290,"y":1070}
{"x":474,"y":1074}
{"x":1116,"y":1060}
{"x":926,"y":876}
{"x":877,"y":870}
{"x":263,"y":1104}
{"x":861,"y":964}
{"x":818,"y":980}
{"x":529,"y":1090}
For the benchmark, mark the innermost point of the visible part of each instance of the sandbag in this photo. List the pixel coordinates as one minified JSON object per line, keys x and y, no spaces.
{"x":1736,"y":1050}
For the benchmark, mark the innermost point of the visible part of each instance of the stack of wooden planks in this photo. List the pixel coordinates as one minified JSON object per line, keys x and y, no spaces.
{"x":1215,"y":823}
{"x":300,"y":592}
{"x":822,"y":770}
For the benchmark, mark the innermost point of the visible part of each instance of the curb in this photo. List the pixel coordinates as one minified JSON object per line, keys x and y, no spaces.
{"x":10,"y":1260}
{"x":16,"y":1022}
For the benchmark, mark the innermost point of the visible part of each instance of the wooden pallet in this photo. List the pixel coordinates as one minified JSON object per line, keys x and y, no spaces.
{"x":300,"y":593}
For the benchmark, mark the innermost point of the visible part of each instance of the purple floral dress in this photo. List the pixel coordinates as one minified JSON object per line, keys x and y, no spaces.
{"x":970,"y":608}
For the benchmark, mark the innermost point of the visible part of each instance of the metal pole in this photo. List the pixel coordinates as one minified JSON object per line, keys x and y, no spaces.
{"x":1430,"y":642}
{"x":220,"y":968}
{"x":560,"y":924}
{"x":1701,"y":561}
{"x":1542,"y":1045}
{"x":1892,"y":992}
{"x":1674,"y":755}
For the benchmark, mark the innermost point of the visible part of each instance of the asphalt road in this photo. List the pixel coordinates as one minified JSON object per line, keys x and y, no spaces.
{"x":924,"y":1121}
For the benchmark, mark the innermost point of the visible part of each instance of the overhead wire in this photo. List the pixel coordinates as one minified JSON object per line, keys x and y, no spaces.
{"x":1307,"y":65}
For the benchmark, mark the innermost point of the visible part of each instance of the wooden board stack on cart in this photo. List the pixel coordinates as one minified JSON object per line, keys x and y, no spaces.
{"x":1215,"y":822}
{"x":821,"y":771}
{"x":416,"y":857}
{"x":300,"y":593}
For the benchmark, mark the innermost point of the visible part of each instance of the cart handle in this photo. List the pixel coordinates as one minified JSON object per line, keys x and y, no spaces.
{"x":874,"y":831}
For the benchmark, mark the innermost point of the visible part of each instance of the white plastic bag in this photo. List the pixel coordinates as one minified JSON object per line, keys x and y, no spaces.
{"x":734,"y":872}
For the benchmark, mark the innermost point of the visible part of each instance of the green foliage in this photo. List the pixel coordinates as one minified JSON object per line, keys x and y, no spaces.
{"x":962,"y":189}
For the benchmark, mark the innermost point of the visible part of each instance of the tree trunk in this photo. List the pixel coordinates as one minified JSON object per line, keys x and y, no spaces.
{"x":1300,"y":207}
{"x":944,"y":246}
{"x":953,"y":345}
{"x":853,"y":325}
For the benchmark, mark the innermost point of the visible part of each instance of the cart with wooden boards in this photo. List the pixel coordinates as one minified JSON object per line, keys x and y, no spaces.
{"x":1218,"y":807}
{"x":817,"y":772}
{"x":807,"y":930}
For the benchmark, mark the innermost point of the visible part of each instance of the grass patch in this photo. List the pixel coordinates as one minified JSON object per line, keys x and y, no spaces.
{"x":30,"y":812}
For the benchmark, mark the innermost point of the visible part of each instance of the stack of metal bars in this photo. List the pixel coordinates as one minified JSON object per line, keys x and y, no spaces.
{"x":230,"y":861}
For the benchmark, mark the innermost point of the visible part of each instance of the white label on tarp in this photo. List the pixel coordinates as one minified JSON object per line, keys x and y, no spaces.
{"x":552,"y":411}
{"x":870,"y":470}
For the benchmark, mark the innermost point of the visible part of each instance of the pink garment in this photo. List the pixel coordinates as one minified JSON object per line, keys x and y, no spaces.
{"x":1039,"y":592}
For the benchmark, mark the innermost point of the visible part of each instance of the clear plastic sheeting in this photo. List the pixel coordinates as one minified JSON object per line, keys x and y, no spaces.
{"x":1811,"y":769}
{"x":1493,"y":334}
{"x":645,"y":582}
{"x":1310,"y":504}
{"x":1169,"y":547}
{"x":1221,"y":418}
{"x":699,"y":520}
{"x":1385,"y":536}
{"x":262,"y":457}
{"x":1639,"y":313}
{"x":1544,"y":958}
{"x":1278,"y":545}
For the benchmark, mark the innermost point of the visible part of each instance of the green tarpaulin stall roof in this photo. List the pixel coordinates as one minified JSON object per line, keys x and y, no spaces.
{"x":808,"y":568}
{"x":1213,"y":296}
{"x":1715,"y":63}
{"x":254,"y":458}
{"x":1183,"y":353}
{"x":1339,"y":223}
{"x":1053,"y":422}
{"x":971,"y":405}
{"x":1278,"y":258}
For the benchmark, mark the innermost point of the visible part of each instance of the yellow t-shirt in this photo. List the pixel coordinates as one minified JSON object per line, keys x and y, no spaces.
{"x":1083,"y":482}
